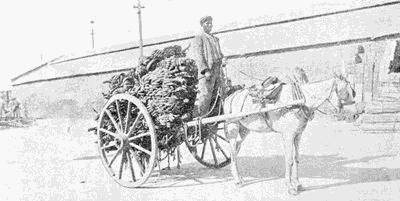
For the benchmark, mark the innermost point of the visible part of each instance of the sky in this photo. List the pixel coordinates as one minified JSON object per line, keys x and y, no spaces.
{"x":34,"y":32}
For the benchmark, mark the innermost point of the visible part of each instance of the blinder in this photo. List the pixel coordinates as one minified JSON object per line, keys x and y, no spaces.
{"x":343,"y":94}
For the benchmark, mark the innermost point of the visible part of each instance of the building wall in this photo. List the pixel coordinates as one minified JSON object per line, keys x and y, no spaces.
{"x":75,"y":97}
{"x":63,"y":98}
{"x":319,"y":45}
{"x":386,"y":86}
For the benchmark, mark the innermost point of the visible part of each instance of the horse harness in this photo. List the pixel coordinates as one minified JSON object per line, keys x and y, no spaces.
{"x":328,"y":99}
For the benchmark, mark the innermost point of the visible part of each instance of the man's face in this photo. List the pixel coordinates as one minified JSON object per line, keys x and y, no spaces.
{"x":207,"y":26}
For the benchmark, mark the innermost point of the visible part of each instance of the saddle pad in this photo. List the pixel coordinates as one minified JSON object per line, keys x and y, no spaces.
{"x":268,"y":92}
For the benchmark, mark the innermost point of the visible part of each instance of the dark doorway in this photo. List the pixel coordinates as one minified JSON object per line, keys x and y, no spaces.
{"x":395,"y":63}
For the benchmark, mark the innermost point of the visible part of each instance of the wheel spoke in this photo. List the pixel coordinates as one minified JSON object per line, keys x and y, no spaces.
{"x":136,"y":162}
{"x":113,"y":120}
{"x":224,"y":139}
{"x":213,"y":151}
{"x":108,"y":146}
{"x":121,"y":165}
{"x":140,"y":148}
{"x":119,"y":115}
{"x":109,"y":132}
{"x":114,"y":157}
{"x":139,"y":136}
{"x":130,"y":165}
{"x":220,"y":148}
{"x":128,"y":112}
{"x":204,"y":150}
{"x":134,"y":123}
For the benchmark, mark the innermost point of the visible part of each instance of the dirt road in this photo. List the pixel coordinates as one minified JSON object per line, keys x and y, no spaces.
{"x":57,"y":160}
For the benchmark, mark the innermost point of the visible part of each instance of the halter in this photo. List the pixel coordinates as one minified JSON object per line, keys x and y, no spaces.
{"x":328,"y":99}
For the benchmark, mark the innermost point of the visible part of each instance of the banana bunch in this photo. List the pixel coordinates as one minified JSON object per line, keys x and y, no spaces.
{"x":166,"y":83}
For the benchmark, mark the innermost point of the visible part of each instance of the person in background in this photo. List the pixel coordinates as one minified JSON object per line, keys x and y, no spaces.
{"x":2,"y":107}
{"x":15,"y":108}
{"x":300,"y":76}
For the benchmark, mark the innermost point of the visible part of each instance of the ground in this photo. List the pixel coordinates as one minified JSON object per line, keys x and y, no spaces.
{"x":56,"y":159}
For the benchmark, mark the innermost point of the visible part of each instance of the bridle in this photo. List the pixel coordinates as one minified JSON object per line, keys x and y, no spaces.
{"x":334,"y":89}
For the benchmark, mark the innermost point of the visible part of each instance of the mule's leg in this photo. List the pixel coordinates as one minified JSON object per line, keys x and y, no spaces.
{"x":295,"y":176}
{"x":288,"y":144}
{"x":233,"y":133}
{"x":243,"y":132}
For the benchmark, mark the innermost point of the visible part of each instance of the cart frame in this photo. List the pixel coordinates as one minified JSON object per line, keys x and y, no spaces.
{"x":117,"y":139}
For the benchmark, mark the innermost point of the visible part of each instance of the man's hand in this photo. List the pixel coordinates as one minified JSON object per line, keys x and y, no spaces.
{"x":206,"y":73}
{"x":223,"y":62}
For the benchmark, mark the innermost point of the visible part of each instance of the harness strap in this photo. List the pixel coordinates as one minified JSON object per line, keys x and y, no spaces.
{"x":297,"y":94}
{"x":244,"y":100}
{"x":328,"y":99}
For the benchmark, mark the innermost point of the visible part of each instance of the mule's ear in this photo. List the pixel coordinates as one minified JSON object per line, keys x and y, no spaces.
{"x":339,"y":75}
{"x":335,"y":74}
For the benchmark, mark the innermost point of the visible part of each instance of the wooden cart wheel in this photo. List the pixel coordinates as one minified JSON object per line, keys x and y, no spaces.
{"x":127,"y":140}
{"x":213,"y":152}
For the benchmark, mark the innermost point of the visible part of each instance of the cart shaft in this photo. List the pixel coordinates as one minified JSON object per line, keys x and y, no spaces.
{"x":243,"y":114}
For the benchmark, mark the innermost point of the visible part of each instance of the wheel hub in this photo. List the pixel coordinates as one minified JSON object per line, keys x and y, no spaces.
{"x":125,"y":141}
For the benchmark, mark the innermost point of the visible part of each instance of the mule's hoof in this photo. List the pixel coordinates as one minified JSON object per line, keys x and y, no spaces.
{"x":239,"y":183}
{"x":292,"y":191}
{"x":300,"y":188}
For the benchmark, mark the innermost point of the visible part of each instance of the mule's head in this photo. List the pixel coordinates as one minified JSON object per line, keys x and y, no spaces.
{"x":344,"y":91}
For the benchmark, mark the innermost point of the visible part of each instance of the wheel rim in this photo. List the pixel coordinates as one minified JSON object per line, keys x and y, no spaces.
{"x":127,"y":140}
{"x":212,"y":152}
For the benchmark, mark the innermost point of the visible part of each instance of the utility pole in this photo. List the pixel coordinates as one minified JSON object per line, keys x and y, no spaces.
{"x":92,"y":33}
{"x":139,"y":12}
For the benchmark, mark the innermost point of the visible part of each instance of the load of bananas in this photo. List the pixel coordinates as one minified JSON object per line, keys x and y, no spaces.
{"x":166,"y":83}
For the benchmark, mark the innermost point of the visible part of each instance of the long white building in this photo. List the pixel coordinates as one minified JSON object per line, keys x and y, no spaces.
{"x":72,"y":85}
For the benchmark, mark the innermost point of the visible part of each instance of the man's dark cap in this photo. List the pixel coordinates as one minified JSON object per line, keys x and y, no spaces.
{"x":205,"y":19}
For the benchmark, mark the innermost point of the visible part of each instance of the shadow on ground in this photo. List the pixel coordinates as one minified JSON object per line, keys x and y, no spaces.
{"x":15,"y":123}
{"x":261,"y":169}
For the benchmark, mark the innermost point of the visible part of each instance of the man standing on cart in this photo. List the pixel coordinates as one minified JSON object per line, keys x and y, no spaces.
{"x":206,"y":52}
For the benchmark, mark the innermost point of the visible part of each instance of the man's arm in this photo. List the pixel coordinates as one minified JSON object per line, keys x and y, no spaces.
{"x":219,"y":48}
{"x":198,"y":54}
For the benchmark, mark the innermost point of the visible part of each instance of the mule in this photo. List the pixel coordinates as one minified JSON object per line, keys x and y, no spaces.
{"x":288,"y":122}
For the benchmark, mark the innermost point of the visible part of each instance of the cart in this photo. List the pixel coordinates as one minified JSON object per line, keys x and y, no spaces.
{"x":130,"y":163}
